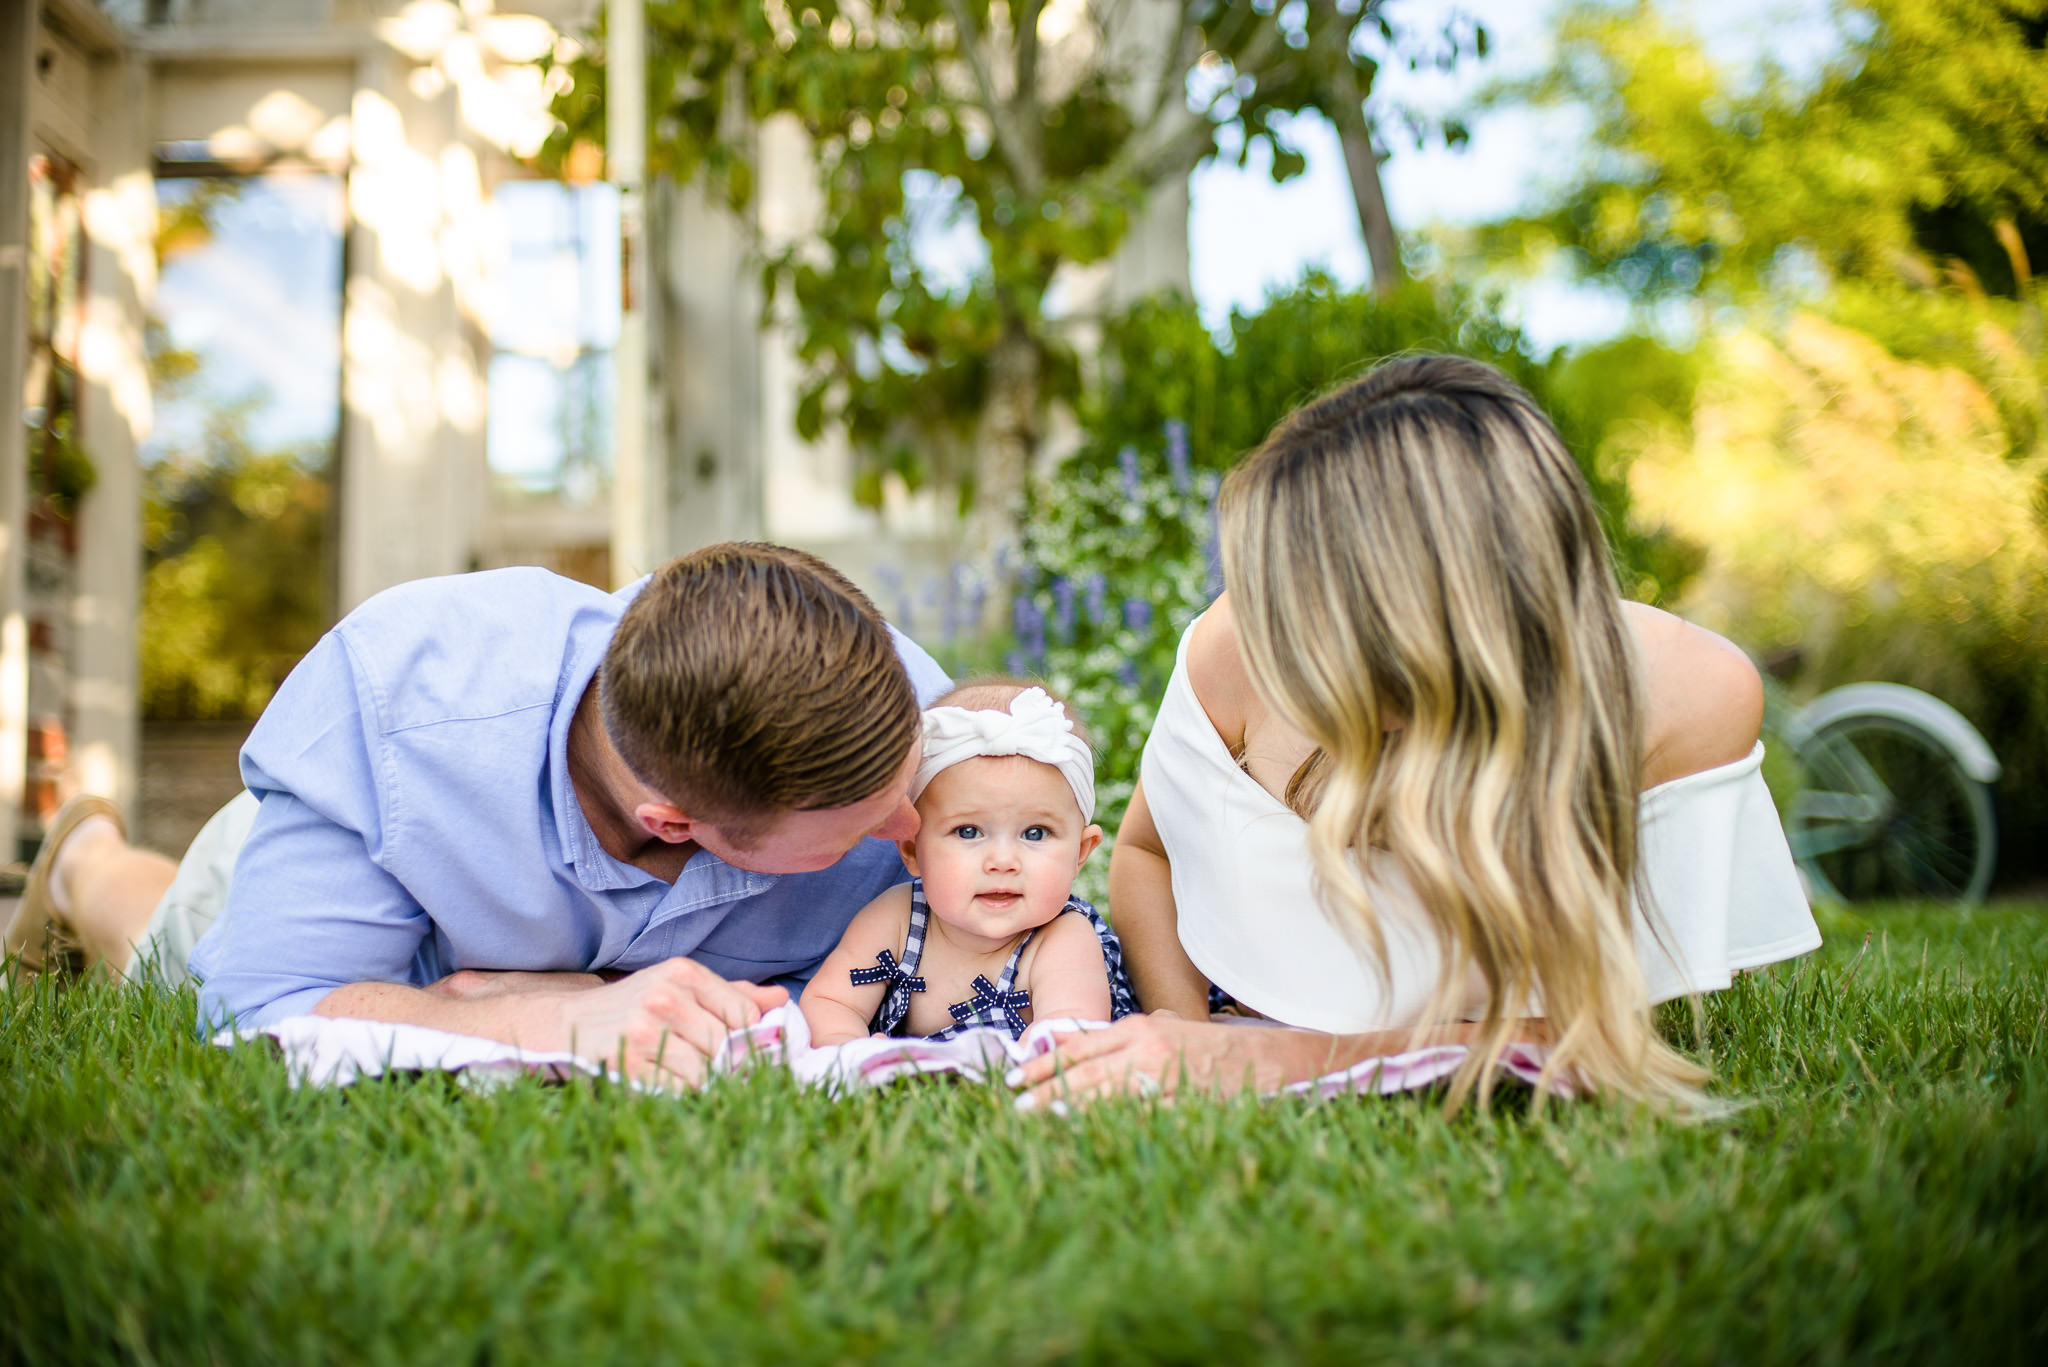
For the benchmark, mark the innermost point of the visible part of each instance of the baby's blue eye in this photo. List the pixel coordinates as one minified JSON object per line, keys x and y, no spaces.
{"x":968,"y":832}
{"x":1036,"y":833}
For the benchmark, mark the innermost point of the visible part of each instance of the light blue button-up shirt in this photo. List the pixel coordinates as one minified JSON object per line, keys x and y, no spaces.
{"x":417,"y":817}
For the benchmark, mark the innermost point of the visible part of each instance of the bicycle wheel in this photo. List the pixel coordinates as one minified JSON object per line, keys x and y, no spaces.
{"x":1889,"y":813}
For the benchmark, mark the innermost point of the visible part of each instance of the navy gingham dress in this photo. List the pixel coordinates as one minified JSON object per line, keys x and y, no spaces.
{"x":999,"y":1003}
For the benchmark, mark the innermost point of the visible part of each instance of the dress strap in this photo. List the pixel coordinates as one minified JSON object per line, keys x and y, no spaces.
{"x":920,"y":920}
{"x":1007,"y":979}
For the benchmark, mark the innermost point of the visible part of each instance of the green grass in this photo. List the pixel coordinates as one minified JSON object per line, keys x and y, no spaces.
{"x":1883,"y":1196}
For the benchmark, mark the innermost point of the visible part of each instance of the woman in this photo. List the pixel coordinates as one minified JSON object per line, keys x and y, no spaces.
{"x":1421,"y":774}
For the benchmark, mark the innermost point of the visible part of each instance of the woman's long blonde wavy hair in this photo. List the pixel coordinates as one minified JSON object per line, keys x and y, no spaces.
{"x":1417,"y":551}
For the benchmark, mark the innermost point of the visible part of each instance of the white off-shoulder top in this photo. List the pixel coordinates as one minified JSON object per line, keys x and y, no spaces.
{"x":1713,"y":857}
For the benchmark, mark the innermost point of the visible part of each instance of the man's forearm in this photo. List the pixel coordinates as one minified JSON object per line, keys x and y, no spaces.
{"x":531,"y":1020}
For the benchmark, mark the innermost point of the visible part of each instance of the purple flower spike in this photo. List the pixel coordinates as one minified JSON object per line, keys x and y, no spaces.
{"x":1137,"y":614}
{"x":1127,"y":471}
{"x":1096,"y":598}
{"x":1030,"y":625}
{"x":1177,"y":455}
{"x":1212,"y":551}
{"x":1128,"y":672}
{"x":1062,"y":608}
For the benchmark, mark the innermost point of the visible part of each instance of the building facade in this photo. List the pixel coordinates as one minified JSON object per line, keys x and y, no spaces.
{"x":324,"y":209}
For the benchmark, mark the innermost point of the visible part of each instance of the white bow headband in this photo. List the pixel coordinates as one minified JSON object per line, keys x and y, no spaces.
{"x":1035,"y":727}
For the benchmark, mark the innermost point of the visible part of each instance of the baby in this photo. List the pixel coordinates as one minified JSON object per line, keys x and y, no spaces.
{"x":987,"y":931}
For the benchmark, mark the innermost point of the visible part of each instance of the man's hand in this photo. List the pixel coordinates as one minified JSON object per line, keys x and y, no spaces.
{"x":662,"y":1023}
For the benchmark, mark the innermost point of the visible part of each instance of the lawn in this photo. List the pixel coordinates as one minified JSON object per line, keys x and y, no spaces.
{"x":1881,"y":1196}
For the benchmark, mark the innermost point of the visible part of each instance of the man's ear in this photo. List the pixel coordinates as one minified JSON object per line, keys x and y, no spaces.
{"x":1090,"y":838}
{"x":908,"y":848}
{"x":666,"y":822}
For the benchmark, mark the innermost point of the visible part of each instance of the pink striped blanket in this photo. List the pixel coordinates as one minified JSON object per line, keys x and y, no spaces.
{"x":320,"y":1052}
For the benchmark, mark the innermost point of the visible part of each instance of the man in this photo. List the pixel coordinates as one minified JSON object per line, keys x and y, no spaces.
{"x":513,"y":806}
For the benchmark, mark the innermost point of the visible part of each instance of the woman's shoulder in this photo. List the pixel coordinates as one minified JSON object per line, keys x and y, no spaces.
{"x":1703,"y":701}
{"x":1217,"y":673}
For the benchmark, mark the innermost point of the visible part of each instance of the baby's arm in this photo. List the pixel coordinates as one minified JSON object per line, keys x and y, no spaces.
{"x":837,"y":1010}
{"x":1068,"y":978}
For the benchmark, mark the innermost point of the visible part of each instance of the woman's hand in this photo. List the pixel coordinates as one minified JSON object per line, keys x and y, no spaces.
{"x":1160,"y":1054}
{"x":1165,"y":1055}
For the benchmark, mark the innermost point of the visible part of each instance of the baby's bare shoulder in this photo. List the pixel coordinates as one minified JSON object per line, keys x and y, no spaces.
{"x":1065,"y":943}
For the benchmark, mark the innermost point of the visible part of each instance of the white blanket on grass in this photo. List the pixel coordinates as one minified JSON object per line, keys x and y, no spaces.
{"x":323,"y":1052}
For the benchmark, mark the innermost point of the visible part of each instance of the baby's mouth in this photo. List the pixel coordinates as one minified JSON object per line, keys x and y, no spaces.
{"x":1002,"y":899}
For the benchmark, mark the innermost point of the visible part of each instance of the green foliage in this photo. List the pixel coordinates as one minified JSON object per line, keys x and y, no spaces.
{"x":235,"y":587}
{"x":1160,"y":365}
{"x":1874,"y":512}
{"x":58,"y":467}
{"x":1855,"y":461}
{"x":1924,"y":143}
{"x":1116,"y":564}
{"x":1118,"y":546}
{"x":1037,"y":130}
{"x":1882,"y":1198}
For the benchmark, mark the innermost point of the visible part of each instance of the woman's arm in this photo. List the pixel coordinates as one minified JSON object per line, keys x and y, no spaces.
{"x":836,"y":1010}
{"x":1163,"y":1054}
{"x":1141,"y":897}
{"x":1703,"y":702}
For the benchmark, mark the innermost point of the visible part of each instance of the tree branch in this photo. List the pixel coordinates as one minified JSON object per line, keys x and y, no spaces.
{"x":1344,"y":103}
{"x":1017,"y":151}
{"x":1176,"y":56}
{"x":1025,"y":17}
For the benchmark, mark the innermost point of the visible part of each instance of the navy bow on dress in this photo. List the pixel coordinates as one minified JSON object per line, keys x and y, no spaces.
{"x":986,"y":998}
{"x":890,"y":972}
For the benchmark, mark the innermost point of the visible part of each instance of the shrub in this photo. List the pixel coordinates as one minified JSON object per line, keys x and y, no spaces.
{"x":1874,"y":511}
{"x":1118,"y":544}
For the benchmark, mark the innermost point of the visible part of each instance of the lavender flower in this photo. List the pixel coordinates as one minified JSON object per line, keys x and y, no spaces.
{"x":1127,"y":471}
{"x":1177,"y":455}
{"x":1128,"y":672}
{"x":1030,"y":626}
{"x":1138,"y":615}
{"x":1095,"y":596}
{"x":1212,"y":552}
{"x":1062,"y":608}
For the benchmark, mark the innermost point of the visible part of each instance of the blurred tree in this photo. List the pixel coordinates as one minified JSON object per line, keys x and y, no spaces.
{"x":230,"y":597}
{"x":234,"y":585}
{"x":1161,"y":367}
{"x":1920,"y":151}
{"x":1035,"y":128}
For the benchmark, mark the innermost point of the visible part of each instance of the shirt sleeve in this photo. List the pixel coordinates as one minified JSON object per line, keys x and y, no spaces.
{"x":927,"y":680}
{"x":309,"y":908}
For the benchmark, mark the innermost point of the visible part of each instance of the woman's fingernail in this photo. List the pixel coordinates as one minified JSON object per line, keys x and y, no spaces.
{"x":1014,"y":1078}
{"x":1028,"y":1102}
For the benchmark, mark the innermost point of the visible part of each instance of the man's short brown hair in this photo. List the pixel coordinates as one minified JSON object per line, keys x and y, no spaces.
{"x":747,"y":680}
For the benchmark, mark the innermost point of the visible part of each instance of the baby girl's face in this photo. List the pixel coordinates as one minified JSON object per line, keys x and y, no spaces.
{"x":998,"y":845}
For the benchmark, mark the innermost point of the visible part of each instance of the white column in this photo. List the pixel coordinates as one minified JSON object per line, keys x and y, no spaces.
{"x":399,"y":495}
{"x":120,"y":224}
{"x":18,"y":25}
{"x":639,"y":491}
